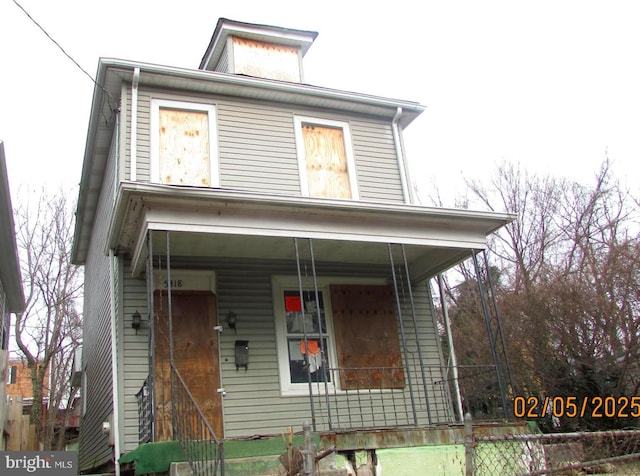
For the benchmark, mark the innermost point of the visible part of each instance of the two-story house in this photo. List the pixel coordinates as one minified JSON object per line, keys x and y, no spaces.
{"x":253,"y":254}
{"x":11,"y":292}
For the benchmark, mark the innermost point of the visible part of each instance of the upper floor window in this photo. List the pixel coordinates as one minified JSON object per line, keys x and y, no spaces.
{"x":13,"y":375}
{"x":183,"y":144}
{"x":325,"y":157}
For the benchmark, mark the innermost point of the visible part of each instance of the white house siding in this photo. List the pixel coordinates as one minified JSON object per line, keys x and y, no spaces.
{"x":94,"y":446}
{"x":257,"y":150}
{"x":253,"y":404}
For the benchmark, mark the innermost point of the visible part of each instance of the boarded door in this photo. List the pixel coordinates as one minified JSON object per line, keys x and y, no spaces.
{"x":366,"y":335}
{"x":195,"y":355}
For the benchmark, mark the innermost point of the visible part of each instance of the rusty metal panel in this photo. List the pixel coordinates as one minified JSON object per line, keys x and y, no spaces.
{"x":366,"y":335}
{"x":266,"y":60}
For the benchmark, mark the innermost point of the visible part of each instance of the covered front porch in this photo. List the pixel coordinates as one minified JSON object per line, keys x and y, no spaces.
{"x":304,"y":314}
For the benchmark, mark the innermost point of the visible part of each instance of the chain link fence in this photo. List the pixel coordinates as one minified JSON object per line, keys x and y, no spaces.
{"x":602,"y":452}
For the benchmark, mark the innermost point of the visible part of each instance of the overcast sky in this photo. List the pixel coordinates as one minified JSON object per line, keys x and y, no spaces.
{"x":551,"y":85}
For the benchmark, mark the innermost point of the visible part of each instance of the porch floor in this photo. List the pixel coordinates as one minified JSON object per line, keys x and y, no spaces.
{"x":415,"y":436}
{"x":157,"y":457}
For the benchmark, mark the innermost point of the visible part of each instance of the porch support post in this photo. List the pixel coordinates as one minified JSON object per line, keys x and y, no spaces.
{"x":507,"y":363}
{"x":402,"y":333}
{"x":323,"y":351}
{"x":415,"y":330}
{"x":304,"y":333}
{"x":453,"y":363}
{"x":170,"y":313}
{"x":152,"y":337}
{"x":492,"y":341}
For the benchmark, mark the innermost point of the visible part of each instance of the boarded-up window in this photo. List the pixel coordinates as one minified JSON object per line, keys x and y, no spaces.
{"x":266,"y":60}
{"x":183,"y":147}
{"x":366,"y":336}
{"x":326,"y":162}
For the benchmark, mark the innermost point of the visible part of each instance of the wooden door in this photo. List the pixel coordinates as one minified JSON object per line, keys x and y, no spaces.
{"x":196,"y":356}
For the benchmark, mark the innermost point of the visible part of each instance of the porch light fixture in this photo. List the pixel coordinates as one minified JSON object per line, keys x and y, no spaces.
{"x":232,"y":320}
{"x":136,"y":320}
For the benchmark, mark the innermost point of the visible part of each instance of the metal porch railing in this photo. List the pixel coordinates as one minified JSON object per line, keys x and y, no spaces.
{"x":145,"y":413}
{"x":379,"y":397}
{"x":194,"y":433}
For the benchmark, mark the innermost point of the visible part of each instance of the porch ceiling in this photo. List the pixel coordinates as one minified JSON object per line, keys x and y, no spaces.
{"x":231,"y":224}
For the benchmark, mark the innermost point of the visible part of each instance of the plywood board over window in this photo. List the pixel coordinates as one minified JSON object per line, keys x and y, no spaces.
{"x":327,"y":167}
{"x":366,"y":334}
{"x":184,"y":147}
{"x":266,"y":60}
{"x":183,"y":144}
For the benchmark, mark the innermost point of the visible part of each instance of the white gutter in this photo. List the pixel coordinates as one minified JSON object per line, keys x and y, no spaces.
{"x":115,"y":428}
{"x":406,"y":190}
{"x":134,"y":123}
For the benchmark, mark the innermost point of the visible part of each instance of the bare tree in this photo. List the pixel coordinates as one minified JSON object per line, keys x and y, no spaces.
{"x":569,"y":291}
{"x":47,"y":333}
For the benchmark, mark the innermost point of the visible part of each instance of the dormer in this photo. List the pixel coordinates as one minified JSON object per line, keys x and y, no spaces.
{"x":257,"y":50}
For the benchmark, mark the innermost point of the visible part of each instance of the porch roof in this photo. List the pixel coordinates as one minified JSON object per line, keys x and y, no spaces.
{"x":230,"y":223}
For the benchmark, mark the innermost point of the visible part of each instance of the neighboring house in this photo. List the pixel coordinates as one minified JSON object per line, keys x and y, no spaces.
{"x":19,"y":383}
{"x":11,"y":293}
{"x":255,"y":240}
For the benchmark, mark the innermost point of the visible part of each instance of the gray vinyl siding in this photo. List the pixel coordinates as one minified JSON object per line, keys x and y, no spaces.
{"x":253,"y":403}
{"x":4,"y":319}
{"x":223,"y":62}
{"x":257,"y":148}
{"x":94,"y":449}
{"x":135,"y":352}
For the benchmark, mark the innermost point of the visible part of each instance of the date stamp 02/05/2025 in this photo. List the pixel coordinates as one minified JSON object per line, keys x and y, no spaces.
{"x":576,"y":407}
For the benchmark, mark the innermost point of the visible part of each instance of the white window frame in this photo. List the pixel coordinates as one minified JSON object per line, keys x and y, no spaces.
{"x":348,"y":147}
{"x":280,"y":284}
{"x":210,"y":109}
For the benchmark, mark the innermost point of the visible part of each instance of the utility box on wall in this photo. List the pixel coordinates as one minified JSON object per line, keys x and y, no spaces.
{"x":242,"y":354}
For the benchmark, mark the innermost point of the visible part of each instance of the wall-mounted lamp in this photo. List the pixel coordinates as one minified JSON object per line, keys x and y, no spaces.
{"x":232,"y":320}
{"x":136,"y":321}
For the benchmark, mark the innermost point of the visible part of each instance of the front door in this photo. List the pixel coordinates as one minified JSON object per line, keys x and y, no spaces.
{"x":195,"y":352}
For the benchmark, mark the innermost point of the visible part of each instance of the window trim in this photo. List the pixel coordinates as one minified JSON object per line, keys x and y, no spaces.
{"x":281,"y":283}
{"x":348,"y":147}
{"x":210,"y":109}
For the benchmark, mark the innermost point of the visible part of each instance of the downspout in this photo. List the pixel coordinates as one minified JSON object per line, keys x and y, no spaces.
{"x":115,"y":425}
{"x":134,"y":124}
{"x":402,"y":166}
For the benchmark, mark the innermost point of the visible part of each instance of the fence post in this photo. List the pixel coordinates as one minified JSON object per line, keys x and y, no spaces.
{"x":468,"y":445}
{"x":309,"y":452}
